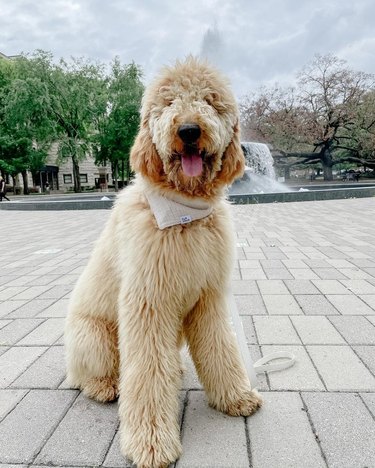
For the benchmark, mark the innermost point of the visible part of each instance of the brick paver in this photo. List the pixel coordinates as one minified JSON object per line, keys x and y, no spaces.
{"x":331,"y":360}
{"x":83,"y":436}
{"x":24,"y":431}
{"x":9,"y":399}
{"x":316,"y":330}
{"x":219,"y":432}
{"x":344,"y":427}
{"x":275,"y":329}
{"x":304,"y":282}
{"x":284,"y":424}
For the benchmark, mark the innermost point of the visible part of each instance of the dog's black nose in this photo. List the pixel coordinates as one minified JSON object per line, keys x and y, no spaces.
{"x":189,"y":133}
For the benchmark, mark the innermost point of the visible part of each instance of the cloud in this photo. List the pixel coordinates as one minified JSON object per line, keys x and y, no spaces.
{"x":256,"y":42}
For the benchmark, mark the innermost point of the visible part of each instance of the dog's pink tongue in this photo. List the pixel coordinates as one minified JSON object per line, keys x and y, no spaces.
{"x":192,"y":165}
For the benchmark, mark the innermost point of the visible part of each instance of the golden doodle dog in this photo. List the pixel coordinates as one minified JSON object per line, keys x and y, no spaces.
{"x":159,"y":274}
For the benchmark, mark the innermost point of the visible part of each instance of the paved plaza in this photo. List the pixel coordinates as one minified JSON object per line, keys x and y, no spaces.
{"x":304,"y":282}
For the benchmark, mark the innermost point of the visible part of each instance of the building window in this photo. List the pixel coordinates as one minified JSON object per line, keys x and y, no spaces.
{"x":83,"y":178}
{"x":68,"y":178}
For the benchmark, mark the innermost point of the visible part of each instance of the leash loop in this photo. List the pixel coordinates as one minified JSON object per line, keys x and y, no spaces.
{"x":283,"y":359}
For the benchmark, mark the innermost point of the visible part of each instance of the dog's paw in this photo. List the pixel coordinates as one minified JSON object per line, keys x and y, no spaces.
{"x":160,"y":453}
{"x":101,"y":389}
{"x":245,"y":405}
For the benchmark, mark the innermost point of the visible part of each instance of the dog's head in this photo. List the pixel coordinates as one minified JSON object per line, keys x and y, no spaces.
{"x":189,"y":136}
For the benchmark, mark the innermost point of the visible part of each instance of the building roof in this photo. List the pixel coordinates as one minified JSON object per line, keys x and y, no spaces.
{"x":8,"y":57}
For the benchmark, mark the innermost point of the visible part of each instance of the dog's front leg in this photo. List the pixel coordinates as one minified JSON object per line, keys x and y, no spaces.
{"x":214,"y":349}
{"x":149,"y":386}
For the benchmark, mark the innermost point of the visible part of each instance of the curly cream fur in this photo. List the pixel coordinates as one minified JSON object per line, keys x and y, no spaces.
{"x":146,"y":290}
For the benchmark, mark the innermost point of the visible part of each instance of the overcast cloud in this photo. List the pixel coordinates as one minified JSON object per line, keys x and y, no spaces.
{"x":258,"y":41}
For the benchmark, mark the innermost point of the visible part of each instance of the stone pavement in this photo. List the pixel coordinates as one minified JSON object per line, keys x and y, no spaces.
{"x":305,"y":282}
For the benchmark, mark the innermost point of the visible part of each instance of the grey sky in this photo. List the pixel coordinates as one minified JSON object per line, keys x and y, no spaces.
{"x":261,"y":41}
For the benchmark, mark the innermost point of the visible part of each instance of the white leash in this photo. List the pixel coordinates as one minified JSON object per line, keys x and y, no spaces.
{"x":285,"y":359}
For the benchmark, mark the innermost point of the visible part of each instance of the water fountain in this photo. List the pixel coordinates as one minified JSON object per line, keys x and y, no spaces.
{"x":258,"y":185}
{"x":259,"y":176}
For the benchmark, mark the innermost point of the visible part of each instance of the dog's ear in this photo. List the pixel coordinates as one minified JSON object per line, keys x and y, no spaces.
{"x":144,"y":158}
{"x":233,"y":161}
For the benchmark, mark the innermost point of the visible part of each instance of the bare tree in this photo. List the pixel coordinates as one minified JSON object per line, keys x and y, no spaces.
{"x":330,"y":94}
{"x":313,"y":122}
{"x":357,"y":143}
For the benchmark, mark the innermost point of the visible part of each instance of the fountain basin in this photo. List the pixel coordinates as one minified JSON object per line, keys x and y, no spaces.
{"x":94,"y":202}
{"x":258,"y":185}
{"x":310,"y":195}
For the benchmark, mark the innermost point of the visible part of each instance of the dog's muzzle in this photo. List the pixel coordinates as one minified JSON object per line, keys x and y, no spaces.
{"x":191,"y":156}
{"x":189,"y":133}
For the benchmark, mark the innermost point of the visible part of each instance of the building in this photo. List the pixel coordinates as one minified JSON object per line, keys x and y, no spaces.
{"x":8,"y":57}
{"x":60,"y":175}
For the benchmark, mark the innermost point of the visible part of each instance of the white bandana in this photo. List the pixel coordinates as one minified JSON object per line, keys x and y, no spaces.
{"x":181,"y":210}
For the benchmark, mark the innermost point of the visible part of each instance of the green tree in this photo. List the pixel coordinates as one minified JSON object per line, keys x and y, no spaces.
{"x":7,"y":74}
{"x":119,"y":123}
{"x":72,"y":103}
{"x":26,"y":127}
{"x":27,"y":116}
{"x":76,"y":93}
{"x":14,"y":158}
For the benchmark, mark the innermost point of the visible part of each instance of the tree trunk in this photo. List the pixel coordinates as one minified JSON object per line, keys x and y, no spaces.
{"x":327,"y":162}
{"x":327,"y":170}
{"x":76,"y":177}
{"x":33,"y":176}
{"x":14,"y":184}
{"x":115,"y":174}
{"x":123,"y":173}
{"x":128,"y":170}
{"x":25,"y":182}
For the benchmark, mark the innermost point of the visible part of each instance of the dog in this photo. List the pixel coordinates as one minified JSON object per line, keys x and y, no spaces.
{"x":158,"y":276}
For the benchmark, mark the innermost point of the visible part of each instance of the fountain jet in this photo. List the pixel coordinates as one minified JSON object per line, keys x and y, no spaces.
{"x":259,"y":176}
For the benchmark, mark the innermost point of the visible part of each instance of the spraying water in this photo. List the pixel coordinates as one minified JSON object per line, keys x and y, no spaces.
{"x":259,"y":158}
{"x":259,"y":176}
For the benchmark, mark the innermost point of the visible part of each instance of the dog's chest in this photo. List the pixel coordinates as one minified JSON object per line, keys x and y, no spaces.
{"x":179,"y":262}
{"x":198,"y":252}
{"x":194,"y":258}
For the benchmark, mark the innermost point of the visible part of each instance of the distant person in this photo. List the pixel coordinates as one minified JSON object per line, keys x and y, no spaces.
{"x":3,"y":190}
{"x":46,"y":186}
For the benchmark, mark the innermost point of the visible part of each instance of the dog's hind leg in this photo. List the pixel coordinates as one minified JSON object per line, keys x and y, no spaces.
{"x":214,"y":350}
{"x":92,"y":356}
{"x":91,"y":341}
